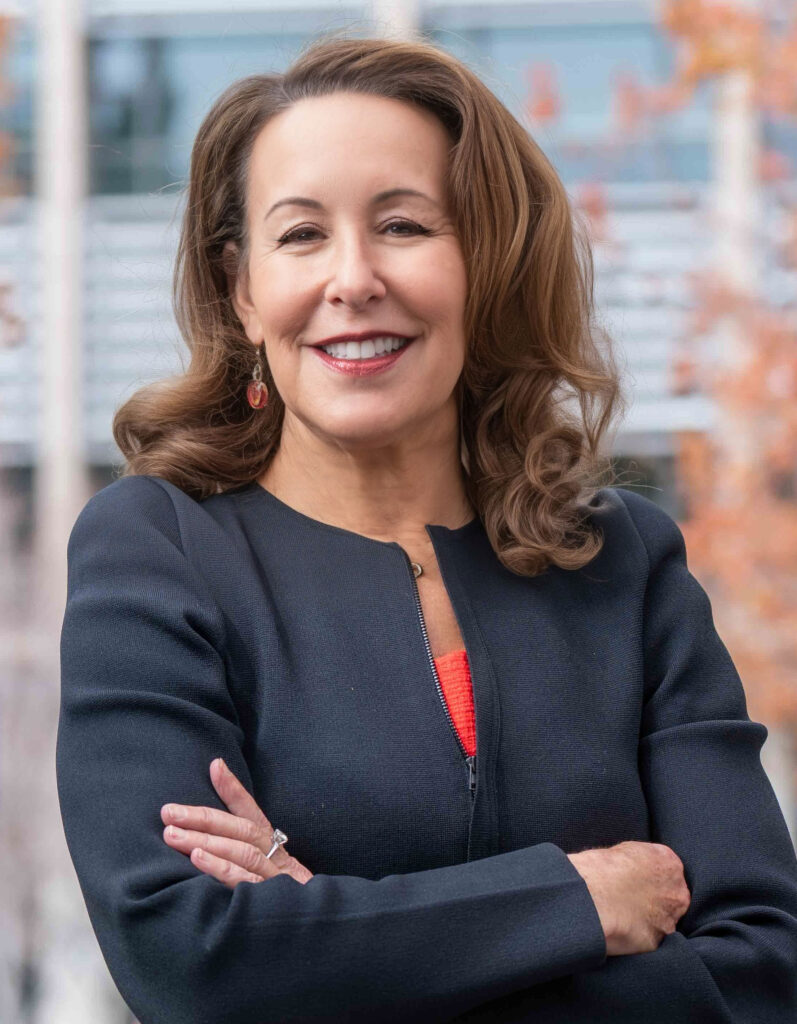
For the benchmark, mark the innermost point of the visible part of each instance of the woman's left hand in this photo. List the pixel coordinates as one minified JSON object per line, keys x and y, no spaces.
{"x":231,"y":847}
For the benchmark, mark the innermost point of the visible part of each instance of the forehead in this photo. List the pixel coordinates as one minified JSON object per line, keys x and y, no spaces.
{"x":348,"y":139}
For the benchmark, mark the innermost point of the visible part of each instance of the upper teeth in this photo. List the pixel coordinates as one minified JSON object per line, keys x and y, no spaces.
{"x":364,"y":349}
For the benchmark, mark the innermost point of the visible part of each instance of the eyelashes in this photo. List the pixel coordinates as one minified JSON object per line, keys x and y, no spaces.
{"x":294,"y":233}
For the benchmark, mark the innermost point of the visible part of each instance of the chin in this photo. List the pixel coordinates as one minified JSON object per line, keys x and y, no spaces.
{"x":365,"y":438}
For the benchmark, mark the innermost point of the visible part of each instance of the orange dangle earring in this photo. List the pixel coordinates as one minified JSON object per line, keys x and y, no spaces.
{"x":256,"y":391}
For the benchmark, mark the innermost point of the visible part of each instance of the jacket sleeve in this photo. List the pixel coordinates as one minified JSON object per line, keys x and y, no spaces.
{"x":733,"y":956}
{"x":145,"y":708}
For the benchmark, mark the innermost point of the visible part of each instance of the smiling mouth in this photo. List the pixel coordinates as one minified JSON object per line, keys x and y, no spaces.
{"x":359,"y":365}
{"x":363,"y":350}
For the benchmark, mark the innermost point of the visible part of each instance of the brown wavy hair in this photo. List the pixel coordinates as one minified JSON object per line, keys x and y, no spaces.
{"x":540,"y":385}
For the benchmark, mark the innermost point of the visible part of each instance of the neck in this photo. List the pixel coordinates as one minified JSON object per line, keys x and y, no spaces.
{"x":390,"y":499}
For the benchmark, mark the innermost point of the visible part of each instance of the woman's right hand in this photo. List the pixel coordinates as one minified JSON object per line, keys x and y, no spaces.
{"x":231,"y":846}
{"x":639,"y":891}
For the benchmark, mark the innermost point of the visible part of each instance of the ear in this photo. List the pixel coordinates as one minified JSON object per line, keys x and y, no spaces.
{"x":238,"y":282}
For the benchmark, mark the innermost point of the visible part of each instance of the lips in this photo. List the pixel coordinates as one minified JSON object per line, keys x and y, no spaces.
{"x":365,"y":336}
{"x":363,"y":367}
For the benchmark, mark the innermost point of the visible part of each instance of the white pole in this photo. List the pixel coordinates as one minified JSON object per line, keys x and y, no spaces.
{"x":737,"y":218}
{"x":398,"y":19}
{"x":777,"y":758}
{"x":61,"y":485}
{"x":73,"y":982}
{"x":737,"y":208}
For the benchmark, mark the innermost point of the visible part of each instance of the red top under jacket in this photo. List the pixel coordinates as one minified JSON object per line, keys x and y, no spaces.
{"x":454,"y":674}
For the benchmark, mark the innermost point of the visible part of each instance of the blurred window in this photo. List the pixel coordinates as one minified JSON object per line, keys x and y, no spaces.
{"x":148,"y":97}
{"x":16,"y":106}
{"x":584,"y":61}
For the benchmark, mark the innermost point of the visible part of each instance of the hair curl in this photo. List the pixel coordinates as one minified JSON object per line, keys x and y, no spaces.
{"x":540,"y":385}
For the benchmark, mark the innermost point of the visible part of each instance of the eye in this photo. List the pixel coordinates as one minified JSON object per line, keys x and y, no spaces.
{"x":414,"y":228}
{"x":295,"y":234}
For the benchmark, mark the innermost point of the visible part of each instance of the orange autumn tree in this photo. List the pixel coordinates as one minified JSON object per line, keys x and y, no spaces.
{"x":739,"y":484}
{"x":741,"y":533}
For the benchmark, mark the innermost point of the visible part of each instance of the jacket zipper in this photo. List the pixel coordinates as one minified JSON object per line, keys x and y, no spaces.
{"x":470,"y":760}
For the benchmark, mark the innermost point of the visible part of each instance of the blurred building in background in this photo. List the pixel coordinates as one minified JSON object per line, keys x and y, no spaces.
{"x":153,"y":70}
{"x":89,"y":218}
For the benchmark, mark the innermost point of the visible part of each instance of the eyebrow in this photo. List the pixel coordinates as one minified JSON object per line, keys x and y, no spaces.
{"x":380,"y":197}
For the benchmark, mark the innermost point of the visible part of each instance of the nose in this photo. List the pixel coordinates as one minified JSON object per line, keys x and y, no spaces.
{"x":355,"y":277}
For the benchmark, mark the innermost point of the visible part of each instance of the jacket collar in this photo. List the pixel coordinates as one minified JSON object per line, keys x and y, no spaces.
{"x":301,"y":521}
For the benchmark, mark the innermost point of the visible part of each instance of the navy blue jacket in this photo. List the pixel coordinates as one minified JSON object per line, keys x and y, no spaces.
{"x":607,"y":708}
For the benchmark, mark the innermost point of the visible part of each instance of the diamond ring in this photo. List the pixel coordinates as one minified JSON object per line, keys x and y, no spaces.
{"x":278,"y":839}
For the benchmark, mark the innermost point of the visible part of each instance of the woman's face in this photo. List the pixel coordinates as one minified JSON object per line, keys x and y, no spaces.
{"x":343,"y":259}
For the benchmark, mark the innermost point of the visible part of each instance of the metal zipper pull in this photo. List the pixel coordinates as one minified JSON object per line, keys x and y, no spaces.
{"x":472,"y":773}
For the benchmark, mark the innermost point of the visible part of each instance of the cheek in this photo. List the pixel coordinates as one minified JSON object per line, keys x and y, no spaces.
{"x":284,"y":304}
{"x":443,"y":309}
{"x":441,"y":281}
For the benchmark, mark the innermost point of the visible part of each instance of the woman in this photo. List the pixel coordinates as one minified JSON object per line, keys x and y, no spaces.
{"x":481,"y":696}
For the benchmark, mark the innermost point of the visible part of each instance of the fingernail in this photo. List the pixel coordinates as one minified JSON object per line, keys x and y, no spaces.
{"x":220,"y":764}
